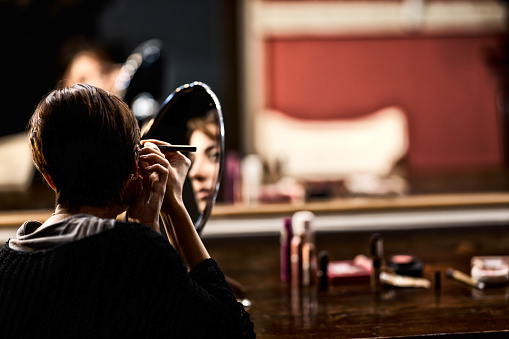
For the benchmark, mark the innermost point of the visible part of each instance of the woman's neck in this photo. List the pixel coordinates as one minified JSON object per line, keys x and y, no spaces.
{"x":62,"y":212}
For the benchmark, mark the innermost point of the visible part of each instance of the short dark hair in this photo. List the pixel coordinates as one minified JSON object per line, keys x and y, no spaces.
{"x":85,"y":139}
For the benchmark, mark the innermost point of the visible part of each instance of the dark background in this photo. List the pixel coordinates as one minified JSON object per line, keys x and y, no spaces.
{"x":199,"y":44}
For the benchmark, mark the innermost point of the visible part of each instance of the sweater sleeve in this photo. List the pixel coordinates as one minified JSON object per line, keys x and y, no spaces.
{"x":209,"y":301}
{"x":209,"y":276}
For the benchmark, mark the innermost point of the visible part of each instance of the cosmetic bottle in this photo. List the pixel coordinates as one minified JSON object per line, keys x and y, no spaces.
{"x":296,"y":255}
{"x":303,"y":220}
{"x":232,"y":187}
{"x":252,"y":175}
{"x":286,"y":236}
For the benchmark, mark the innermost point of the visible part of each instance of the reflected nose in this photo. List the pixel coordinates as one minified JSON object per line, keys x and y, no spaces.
{"x":197,"y":171}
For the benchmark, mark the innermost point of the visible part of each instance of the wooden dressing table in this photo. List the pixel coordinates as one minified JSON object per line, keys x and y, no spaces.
{"x":352,"y":310}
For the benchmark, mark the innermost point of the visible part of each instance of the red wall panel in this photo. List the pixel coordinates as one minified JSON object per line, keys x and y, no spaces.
{"x":443,"y":84}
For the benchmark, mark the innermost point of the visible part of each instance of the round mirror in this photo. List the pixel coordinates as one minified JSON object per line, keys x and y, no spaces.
{"x":192,"y":115}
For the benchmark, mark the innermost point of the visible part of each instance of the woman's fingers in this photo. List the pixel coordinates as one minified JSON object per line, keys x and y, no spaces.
{"x":154,"y":168}
{"x":150,"y":154}
{"x":150,"y":147}
{"x":157,"y":168}
{"x":153,"y":158}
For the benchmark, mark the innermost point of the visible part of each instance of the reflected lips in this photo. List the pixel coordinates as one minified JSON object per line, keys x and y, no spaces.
{"x":202,"y":194}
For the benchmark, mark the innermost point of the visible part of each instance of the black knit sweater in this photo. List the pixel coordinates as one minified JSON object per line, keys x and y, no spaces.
{"x":127,"y":282}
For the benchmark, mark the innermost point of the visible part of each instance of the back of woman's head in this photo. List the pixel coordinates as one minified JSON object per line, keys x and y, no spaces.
{"x":85,"y":139}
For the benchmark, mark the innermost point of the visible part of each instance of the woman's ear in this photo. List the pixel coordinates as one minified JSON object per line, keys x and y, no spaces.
{"x":136,"y":165}
{"x":49,"y":181}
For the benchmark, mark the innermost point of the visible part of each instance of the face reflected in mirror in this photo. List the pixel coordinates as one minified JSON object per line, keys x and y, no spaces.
{"x":203,"y":134}
{"x":88,"y":68}
{"x":82,"y":60}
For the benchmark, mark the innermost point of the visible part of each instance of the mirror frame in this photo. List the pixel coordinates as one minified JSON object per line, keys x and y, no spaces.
{"x":151,"y":126}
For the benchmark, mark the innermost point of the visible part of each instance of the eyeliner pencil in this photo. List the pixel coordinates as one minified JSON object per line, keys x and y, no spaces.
{"x":175,"y":148}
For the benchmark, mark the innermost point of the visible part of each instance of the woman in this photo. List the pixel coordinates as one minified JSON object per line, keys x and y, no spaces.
{"x":82,"y":273}
{"x":202,"y":133}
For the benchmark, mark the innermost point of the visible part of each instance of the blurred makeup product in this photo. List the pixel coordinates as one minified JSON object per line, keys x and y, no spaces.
{"x":464,"y":278}
{"x":309,"y":260}
{"x":286,"y":236}
{"x":406,"y":264}
{"x":376,"y":252}
{"x":296,"y":255}
{"x":397,"y":280}
{"x":251,"y":174}
{"x":309,"y":264}
{"x":323,"y":272}
{"x":232,"y":187}
{"x":357,"y":270}
{"x":438,"y":280}
{"x":302,"y":223}
{"x":490,"y":270}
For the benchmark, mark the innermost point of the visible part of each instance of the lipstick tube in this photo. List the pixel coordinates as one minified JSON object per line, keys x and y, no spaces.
{"x":286,"y":236}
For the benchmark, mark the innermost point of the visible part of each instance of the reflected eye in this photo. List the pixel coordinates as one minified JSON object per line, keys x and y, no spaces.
{"x":214,"y":156}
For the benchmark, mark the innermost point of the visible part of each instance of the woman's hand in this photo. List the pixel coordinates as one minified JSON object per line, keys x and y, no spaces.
{"x":179,"y":166}
{"x":154,"y":170}
{"x":177,"y":222}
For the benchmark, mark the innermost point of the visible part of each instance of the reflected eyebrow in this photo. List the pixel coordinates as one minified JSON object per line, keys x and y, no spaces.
{"x":211,"y":148}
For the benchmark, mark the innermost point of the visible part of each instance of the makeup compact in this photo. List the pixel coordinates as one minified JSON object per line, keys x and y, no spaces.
{"x":406,"y":264}
{"x":349,"y":271}
{"x":490,"y":270}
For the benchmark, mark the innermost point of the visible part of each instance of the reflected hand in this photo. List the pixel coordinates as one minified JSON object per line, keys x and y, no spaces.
{"x":154,"y":170}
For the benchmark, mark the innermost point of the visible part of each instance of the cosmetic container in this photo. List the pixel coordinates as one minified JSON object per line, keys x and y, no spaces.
{"x":232,"y":184}
{"x":286,"y":236}
{"x":303,"y":221}
{"x":407,"y":265}
{"x":252,"y":175}
{"x":296,"y":255}
{"x":490,"y":270}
